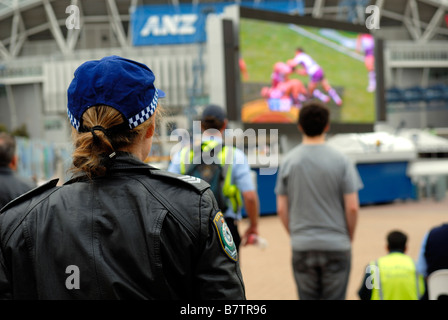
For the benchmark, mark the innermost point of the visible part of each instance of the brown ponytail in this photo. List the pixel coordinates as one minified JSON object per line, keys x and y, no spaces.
{"x":94,"y":146}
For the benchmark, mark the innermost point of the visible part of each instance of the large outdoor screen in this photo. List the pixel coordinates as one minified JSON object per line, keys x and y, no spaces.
{"x":282,"y":65}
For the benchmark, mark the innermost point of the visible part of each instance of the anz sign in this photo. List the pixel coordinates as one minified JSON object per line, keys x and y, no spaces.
{"x":170,"y":25}
{"x":159,"y":25}
{"x":185,"y":23}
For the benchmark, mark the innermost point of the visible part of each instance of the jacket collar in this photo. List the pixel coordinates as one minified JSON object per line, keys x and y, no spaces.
{"x":121,"y":161}
{"x":126,"y":160}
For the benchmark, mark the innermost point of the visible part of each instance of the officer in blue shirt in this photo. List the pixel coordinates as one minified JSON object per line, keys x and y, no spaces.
{"x":213,"y":124}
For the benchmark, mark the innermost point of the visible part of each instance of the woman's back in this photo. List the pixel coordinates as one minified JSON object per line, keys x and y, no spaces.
{"x":119,"y":229}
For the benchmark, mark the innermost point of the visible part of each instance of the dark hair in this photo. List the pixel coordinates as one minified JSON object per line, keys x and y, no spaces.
{"x":300,"y":49}
{"x":313,"y":118}
{"x":213,"y":117}
{"x":7,"y":148}
{"x":211,"y":123}
{"x":396,"y":240}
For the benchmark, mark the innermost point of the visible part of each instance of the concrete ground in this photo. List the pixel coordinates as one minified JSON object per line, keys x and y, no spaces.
{"x":267,"y":273}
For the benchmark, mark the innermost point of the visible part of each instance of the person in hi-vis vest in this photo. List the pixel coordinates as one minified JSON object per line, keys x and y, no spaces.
{"x":239,"y":189}
{"x":393,"y":276}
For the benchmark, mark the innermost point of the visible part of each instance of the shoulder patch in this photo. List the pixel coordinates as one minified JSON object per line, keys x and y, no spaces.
{"x":197,"y":184}
{"x":33,"y":192}
{"x":225,"y":236}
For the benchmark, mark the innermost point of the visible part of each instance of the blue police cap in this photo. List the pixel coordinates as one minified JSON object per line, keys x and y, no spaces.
{"x":126,"y":85}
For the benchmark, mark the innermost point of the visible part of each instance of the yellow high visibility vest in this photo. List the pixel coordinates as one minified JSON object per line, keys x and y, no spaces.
{"x":229,"y":190}
{"x":395,"y":277}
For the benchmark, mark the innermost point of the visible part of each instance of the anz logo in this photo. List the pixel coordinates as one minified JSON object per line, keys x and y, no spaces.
{"x":170,"y":25}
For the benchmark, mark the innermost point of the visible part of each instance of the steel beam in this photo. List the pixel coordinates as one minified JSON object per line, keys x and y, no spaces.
{"x":117,"y":25}
{"x":73,"y":34}
{"x":435,"y":21}
{"x":54,"y":27}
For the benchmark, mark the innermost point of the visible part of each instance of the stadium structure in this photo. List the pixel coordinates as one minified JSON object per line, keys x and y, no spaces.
{"x":42,"y":43}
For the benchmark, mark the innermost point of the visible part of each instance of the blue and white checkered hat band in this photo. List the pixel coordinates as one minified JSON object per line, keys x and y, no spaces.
{"x":75,"y":123}
{"x":145,"y":114}
{"x":134,"y":121}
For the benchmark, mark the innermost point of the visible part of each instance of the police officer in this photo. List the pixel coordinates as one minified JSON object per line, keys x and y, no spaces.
{"x":11,"y":185}
{"x":393,"y":276}
{"x":120,"y":229}
{"x":237,"y":174}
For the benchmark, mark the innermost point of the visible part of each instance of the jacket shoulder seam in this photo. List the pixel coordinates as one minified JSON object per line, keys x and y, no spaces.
{"x":173,"y":210}
{"x":31,"y":193}
{"x":25,"y":215}
{"x":194,"y":183}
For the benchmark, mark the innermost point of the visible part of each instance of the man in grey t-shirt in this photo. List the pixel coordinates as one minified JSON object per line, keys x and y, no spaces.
{"x":317,"y":202}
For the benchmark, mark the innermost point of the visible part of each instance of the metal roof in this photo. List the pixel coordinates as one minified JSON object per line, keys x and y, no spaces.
{"x":23,"y":21}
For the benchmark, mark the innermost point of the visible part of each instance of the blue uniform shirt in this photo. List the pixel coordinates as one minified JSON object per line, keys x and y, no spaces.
{"x":241,"y":173}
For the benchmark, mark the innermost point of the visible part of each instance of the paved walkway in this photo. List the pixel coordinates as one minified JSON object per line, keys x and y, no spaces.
{"x":268,"y":275}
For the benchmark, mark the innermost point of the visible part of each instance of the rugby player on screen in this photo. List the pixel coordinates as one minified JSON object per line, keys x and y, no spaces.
{"x":282,"y":86}
{"x":366,"y":43}
{"x":304,"y":65}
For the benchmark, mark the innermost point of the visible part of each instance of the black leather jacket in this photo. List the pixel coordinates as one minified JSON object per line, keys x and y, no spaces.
{"x":137,"y":233}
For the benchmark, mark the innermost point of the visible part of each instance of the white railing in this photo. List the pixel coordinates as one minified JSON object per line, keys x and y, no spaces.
{"x":173,"y":66}
{"x":402,"y":54}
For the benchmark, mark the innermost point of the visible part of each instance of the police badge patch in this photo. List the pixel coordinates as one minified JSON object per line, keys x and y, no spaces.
{"x":225,"y":236}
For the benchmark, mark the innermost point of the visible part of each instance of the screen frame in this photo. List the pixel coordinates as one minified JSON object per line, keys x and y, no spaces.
{"x":233,"y":77}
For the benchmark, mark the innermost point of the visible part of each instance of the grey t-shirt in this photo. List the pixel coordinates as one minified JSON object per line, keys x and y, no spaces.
{"x":315,"y":179}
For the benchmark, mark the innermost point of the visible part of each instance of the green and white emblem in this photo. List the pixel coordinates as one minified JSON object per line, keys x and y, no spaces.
{"x":225,"y":236}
